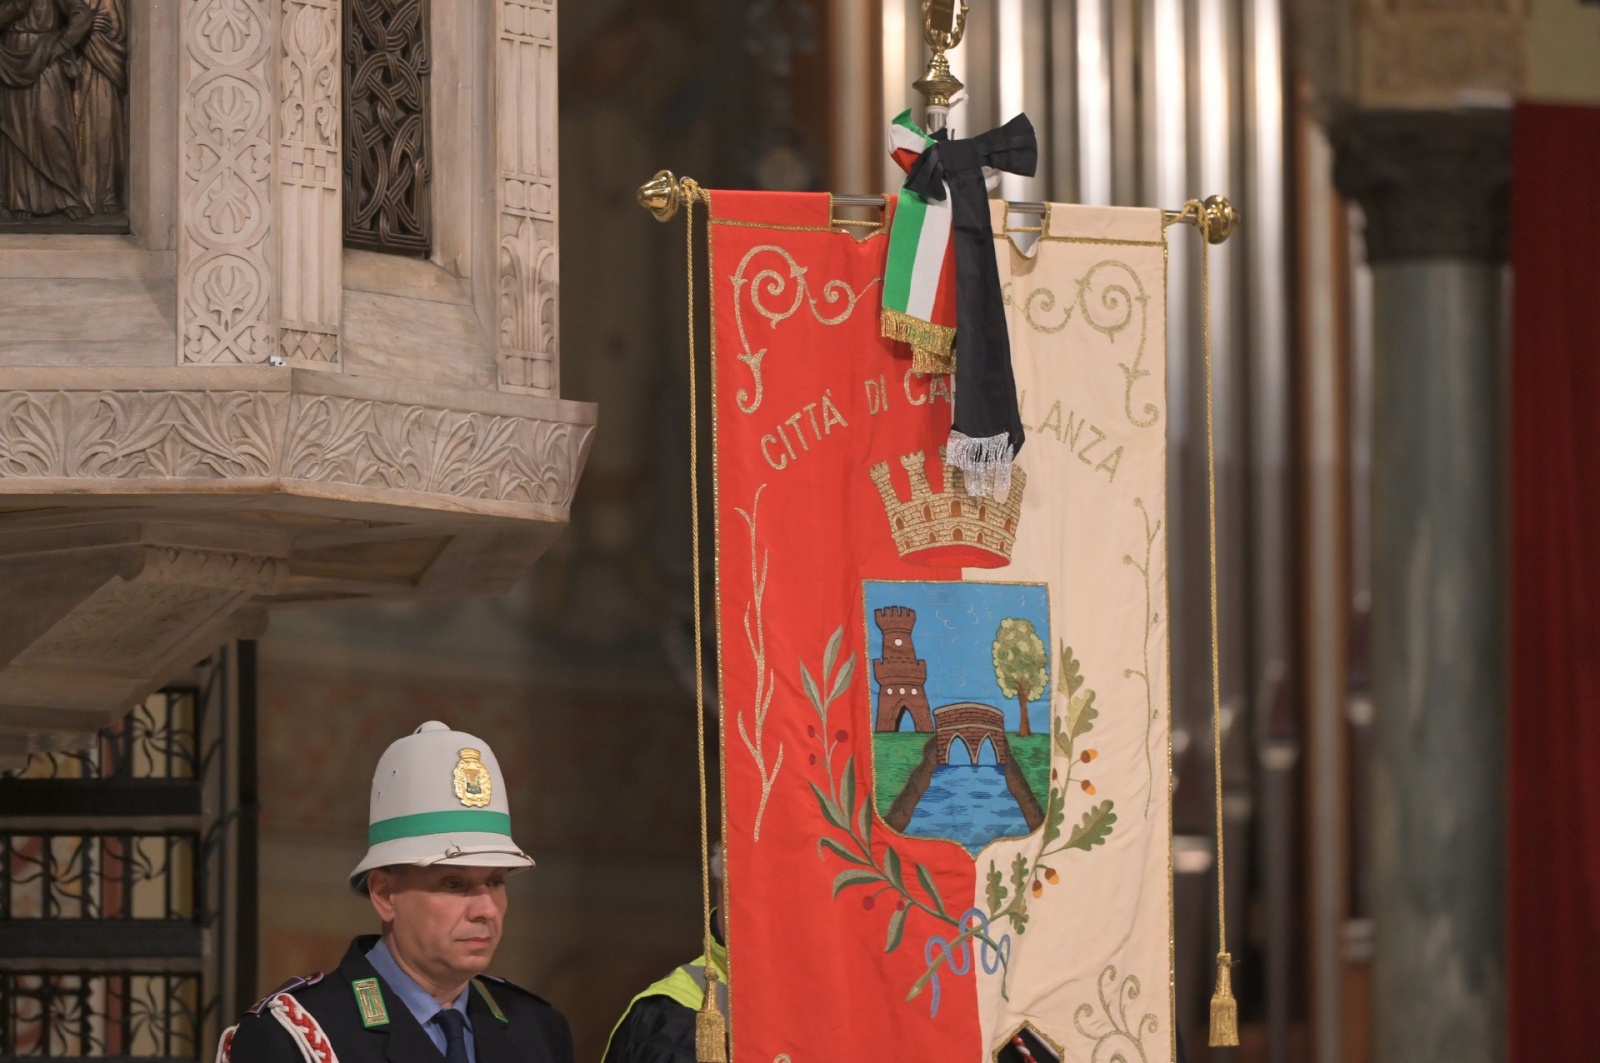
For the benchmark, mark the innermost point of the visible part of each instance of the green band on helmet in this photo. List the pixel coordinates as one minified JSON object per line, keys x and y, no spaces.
{"x":424,"y":823}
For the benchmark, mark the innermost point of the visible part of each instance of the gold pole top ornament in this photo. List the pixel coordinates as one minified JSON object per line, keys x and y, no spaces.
{"x":1221,"y":220}
{"x":662,"y":195}
{"x":943,"y":25}
{"x":1214,"y":216}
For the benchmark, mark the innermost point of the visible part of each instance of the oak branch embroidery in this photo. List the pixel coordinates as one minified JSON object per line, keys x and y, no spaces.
{"x":772,"y":283}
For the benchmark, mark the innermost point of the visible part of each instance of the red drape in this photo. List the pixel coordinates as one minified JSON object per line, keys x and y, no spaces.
{"x":1554,"y":888}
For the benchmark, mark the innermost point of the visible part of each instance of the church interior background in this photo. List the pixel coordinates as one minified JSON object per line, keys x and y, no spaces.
{"x":581,"y":674}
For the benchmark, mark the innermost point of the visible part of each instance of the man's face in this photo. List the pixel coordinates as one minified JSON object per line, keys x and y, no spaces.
{"x":444,"y":922}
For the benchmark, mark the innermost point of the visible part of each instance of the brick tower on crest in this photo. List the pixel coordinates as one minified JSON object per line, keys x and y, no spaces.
{"x":900,"y":673}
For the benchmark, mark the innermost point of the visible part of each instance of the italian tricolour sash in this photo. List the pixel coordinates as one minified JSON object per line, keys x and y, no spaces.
{"x":944,"y":717}
{"x":919,"y":302}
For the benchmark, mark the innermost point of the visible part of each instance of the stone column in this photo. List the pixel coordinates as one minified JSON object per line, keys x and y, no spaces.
{"x":1433,"y":186}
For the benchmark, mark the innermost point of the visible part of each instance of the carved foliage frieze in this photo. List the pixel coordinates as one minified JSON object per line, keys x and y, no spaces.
{"x":525,"y":131}
{"x":367,"y":443}
{"x":214,"y":568}
{"x":139,"y":434}
{"x":309,"y":182}
{"x":386,"y":168}
{"x":190,"y":435}
{"x":225,"y":122}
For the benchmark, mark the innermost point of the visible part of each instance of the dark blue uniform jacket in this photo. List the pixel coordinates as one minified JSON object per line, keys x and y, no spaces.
{"x":517,"y":1027}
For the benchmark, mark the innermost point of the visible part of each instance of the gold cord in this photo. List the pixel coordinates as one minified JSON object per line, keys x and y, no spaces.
{"x":1224,"y":1009}
{"x":710,"y":1030}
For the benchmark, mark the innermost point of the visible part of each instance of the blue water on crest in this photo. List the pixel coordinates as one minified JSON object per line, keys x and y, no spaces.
{"x":970,"y":805}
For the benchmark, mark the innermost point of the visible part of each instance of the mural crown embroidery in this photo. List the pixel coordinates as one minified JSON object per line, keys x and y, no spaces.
{"x":949,"y":527}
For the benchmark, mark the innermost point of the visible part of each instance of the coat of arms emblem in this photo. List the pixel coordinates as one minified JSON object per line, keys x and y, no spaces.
{"x":473,"y":783}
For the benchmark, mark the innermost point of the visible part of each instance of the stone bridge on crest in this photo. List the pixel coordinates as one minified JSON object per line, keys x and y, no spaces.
{"x":971,"y":724}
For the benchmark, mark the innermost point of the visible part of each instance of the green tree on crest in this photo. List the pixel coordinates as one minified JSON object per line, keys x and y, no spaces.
{"x":1021,"y":665}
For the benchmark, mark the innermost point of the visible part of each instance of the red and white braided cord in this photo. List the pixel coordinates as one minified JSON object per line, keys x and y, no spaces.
{"x":1022,"y":1047}
{"x":304,"y":1028}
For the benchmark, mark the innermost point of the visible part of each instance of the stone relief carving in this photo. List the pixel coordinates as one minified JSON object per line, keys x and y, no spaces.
{"x":215,"y":568}
{"x":63,"y":115}
{"x":1424,"y":53}
{"x":386,"y":172}
{"x":1418,"y":61}
{"x":309,"y":182}
{"x":525,"y":131}
{"x":225,"y":122}
{"x":167,"y":435}
{"x":131,"y":434}
{"x":448,"y":452}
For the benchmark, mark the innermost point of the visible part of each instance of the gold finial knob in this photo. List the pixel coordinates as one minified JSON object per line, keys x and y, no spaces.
{"x":1221,"y":219}
{"x":661,"y":195}
{"x":943,"y":26}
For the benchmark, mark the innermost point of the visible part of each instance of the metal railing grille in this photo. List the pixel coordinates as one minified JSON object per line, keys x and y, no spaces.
{"x":120,"y":901}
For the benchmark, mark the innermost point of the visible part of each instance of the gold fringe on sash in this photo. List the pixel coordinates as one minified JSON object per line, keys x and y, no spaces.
{"x":932,"y":346}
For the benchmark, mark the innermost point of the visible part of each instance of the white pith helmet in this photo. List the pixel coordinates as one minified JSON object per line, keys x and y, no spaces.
{"x":438,"y":798}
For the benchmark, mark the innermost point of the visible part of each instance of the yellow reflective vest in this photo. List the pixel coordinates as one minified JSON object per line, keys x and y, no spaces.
{"x":687,"y":986}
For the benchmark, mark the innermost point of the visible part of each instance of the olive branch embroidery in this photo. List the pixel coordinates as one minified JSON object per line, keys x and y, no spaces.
{"x":755,"y":634}
{"x":851,"y":812}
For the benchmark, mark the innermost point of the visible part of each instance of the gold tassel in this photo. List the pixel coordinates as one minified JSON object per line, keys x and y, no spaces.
{"x":710,"y":1031}
{"x":1224,"y":1009}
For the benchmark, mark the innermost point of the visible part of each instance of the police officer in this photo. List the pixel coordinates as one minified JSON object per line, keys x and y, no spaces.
{"x":440,"y":849}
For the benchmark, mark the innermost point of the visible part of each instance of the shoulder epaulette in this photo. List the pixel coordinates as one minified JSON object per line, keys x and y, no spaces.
{"x":508,"y":984}
{"x":288,"y":987}
{"x":488,"y":998}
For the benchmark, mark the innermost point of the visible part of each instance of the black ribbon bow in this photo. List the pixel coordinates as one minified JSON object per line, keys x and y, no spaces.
{"x":986,"y":389}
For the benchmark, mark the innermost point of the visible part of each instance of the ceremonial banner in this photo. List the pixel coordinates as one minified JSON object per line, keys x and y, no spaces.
{"x":944,"y":717}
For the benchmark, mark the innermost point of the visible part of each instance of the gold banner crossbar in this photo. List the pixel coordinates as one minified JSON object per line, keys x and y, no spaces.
{"x":664,"y":194}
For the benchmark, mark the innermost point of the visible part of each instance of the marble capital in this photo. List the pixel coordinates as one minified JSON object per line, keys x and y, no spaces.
{"x":1432,"y":183}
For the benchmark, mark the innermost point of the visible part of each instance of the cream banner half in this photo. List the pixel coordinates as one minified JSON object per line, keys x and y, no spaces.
{"x":1090,"y":968}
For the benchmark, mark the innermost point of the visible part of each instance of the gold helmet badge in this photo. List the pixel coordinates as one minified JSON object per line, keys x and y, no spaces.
{"x":473,"y":783}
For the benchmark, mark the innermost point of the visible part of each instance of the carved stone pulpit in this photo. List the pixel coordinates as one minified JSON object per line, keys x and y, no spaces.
{"x":278,"y":326}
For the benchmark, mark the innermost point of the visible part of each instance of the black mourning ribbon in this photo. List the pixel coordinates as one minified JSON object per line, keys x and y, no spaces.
{"x":986,"y":389}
